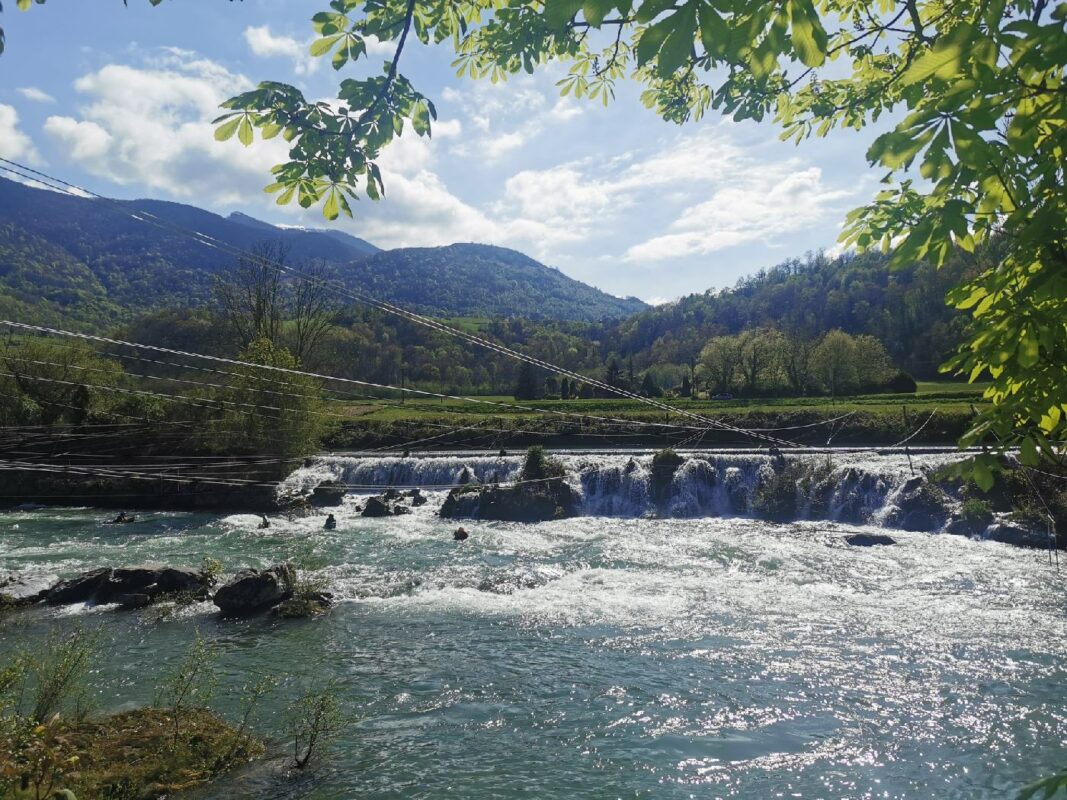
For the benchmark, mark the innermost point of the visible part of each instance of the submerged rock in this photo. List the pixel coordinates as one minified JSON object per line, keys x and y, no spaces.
{"x":869,"y":539}
{"x":253,"y":590}
{"x":305,"y":605}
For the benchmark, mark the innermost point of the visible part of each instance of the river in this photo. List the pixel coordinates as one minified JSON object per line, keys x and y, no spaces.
{"x":609,"y":656}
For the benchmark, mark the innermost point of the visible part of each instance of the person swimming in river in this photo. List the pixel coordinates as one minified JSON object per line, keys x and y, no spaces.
{"x":331,"y":522}
{"x":263,"y":522}
{"x":460,"y":535}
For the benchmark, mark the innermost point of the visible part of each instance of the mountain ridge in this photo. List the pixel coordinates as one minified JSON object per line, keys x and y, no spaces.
{"x":122,"y":257}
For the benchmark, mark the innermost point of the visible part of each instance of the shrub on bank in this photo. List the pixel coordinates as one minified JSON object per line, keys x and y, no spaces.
{"x":51,"y":747}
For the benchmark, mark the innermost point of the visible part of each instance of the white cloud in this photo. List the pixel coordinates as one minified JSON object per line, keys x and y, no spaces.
{"x":762,"y":203}
{"x":524,"y":102}
{"x":496,"y":146}
{"x":35,"y":95}
{"x":15,"y":144}
{"x":151,"y":128}
{"x":84,"y":140}
{"x":266,"y":44}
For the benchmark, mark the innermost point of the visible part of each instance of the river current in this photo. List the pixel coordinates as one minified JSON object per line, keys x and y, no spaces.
{"x":615,"y":656}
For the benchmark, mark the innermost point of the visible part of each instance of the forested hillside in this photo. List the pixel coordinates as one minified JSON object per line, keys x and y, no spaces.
{"x":804,"y":298}
{"x":103,"y":262}
{"x":480,"y":280}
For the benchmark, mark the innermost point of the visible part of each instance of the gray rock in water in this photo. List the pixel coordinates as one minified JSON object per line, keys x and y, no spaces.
{"x":377,"y":507}
{"x":108,"y":585}
{"x":252,"y":591}
{"x":79,"y":589}
{"x":328,"y":494}
{"x":869,"y":539}
{"x":533,"y":502}
{"x":1007,"y":533}
{"x":153,"y":580}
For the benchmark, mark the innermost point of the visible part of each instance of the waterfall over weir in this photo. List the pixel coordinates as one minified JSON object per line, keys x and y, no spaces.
{"x":844,"y":486}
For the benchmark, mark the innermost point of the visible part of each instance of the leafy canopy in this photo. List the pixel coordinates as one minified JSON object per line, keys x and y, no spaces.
{"x":978,"y":84}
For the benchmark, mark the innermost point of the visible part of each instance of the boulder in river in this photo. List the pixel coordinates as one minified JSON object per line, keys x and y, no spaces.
{"x":328,"y":494}
{"x":869,"y":539}
{"x":119,"y":585}
{"x":79,"y":589}
{"x":253,"y":590}
{"x":377,"y":507}
{"x":530,"y":502}
{"x":300,"y":606}
{"x":154,"y":581}
{"x":920,"y":506}
{"x":1007,"y":533}
{"x":385,"y":505}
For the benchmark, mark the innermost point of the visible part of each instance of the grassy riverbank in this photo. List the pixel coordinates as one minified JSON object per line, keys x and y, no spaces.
{"x":937,"y":414}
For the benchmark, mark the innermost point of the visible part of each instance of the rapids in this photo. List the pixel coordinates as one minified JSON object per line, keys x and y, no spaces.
{"x":613,"y":655}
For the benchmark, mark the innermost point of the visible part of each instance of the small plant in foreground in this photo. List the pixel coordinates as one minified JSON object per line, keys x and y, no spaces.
{"x":58,"y":671}
{"x":191,"y":683}
{"x":315,"y":720}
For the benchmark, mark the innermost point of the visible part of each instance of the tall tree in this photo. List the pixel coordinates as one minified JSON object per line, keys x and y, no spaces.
{"x":759,"y":354}
{"x":260,"y":301}
{"x":251,"y":295}
{"x":268,"y":412}
{"x":834,"y":362}
{"x":527,"y":385}
{"x":720,"y":358}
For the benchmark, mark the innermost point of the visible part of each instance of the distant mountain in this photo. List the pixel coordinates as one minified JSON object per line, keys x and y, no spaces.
{"x":480,"y":280}
{"x":95,"y":261}
{"x":361,"y":246}
{"x":100,"y":262}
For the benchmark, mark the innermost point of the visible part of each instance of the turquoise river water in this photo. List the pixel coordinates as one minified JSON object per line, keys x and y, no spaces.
{"x":604,"y":657}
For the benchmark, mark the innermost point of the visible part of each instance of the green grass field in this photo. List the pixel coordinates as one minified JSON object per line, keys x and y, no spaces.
{"x":941,"y":409}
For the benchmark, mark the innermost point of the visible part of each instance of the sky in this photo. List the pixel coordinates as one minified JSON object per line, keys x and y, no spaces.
{"x":120,"y":100}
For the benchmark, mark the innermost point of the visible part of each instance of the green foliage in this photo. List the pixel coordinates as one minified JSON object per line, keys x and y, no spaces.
{"x":189,"y":684}
{"x":315,"y":720}
{"x":977,"y":512}
{"x":55,"y":675}
{"x":282,"y":418}
{"x":534,"y":467}
{"x":767,"y":362}
{"x":528,"y":384}
{"x":978,"y":87}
